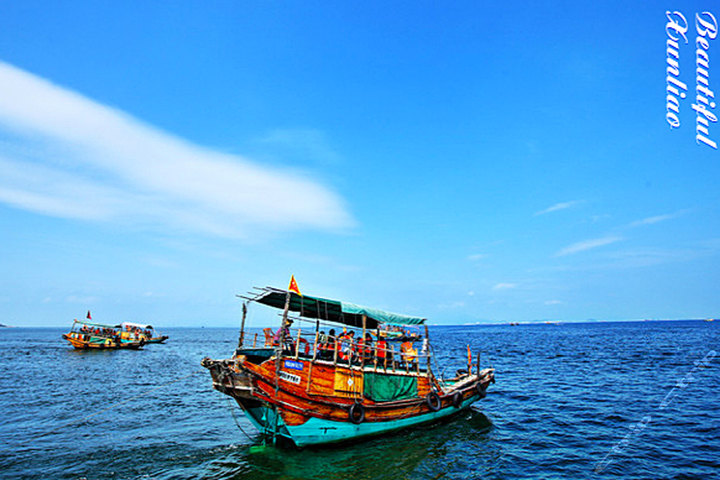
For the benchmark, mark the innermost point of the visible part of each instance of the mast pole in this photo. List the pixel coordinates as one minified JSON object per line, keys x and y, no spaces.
{"x":281,"y":342}
{"x":364,"y":343}
{"x":427,"y":352}
{"x":241,"y":341}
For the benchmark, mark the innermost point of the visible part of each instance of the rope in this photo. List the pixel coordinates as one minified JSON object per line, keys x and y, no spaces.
{"x":437,"y":368}
{"x":232,"y":412}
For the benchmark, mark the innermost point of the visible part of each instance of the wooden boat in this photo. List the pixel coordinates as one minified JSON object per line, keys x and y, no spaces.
{"x":146,"y":332}
{"x":86,"y":335}
{"x":397,"y":333}
{"x":313,"y":391}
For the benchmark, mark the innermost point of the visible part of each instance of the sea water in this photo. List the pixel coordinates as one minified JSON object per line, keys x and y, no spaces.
{"x":595,"y":400}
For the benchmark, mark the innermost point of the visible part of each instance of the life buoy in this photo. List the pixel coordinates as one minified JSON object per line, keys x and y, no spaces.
{"x":356,"y":413}
{"x":307,"y":345}
{"x":457,"y":399}
{"x":433,"y":401}
{"x":480,"y":390}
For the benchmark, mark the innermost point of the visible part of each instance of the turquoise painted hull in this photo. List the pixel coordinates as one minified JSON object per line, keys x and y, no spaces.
{"x":318,"y":431}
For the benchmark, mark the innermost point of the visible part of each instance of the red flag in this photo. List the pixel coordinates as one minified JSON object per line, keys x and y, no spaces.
{"x":88,"y":315}
{"x":294,"y":286}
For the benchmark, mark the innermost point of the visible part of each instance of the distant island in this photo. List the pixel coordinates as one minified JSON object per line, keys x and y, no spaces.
{"x":2,"y":325}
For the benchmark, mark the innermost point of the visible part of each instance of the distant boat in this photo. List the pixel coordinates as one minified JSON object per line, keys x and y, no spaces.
{"x":85,"y":335}
{"x":143,"y":331}
{"x":709,"y":319}
{"x":327,"y":389}
{"x":397,"y":334}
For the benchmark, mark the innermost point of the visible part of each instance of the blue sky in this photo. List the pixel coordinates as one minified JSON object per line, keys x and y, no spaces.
{"x":480,"y":163}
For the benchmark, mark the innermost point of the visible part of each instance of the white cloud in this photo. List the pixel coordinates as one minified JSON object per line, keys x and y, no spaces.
{"x":646,"y":257}
{"x":553,"y":302}
{"x":559,"y":206}
{"x":476,"y":256}
{"x":64,"y":155}
{"x":504,"y":286}
{"x":656,"y":219}
{"x":587,"y":245}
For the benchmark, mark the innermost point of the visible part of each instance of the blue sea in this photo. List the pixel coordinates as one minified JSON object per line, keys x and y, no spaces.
{"x":596,"y":400}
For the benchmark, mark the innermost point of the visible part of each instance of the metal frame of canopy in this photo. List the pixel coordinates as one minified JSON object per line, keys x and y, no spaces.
{"x":328,"y":310}
{"x":102,"y":325}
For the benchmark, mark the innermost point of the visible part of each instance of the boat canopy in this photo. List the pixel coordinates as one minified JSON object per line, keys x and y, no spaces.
{"x":136,"y":325}
{"x":100,"y":325}
{"x":332,"y":310}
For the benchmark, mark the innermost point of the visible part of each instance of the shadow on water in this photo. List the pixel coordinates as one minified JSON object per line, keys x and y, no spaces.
{"x":409,"y":453}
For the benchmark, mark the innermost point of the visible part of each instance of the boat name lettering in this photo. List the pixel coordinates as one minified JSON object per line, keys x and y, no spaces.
{"x":293,"y":364}
{"x":289,"y":377}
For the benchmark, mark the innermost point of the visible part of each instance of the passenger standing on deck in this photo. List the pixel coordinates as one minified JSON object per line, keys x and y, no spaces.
{"x":359,"y":350}
{"x":346,"y":345}
{"x":367,"y":351}
{"x":327,"y":345}
{"x":331,"y":344}
{"x":408,"y":353}
{"x":341,"y":340}
{"x":382,"y":353}
{"x":287,"y":338}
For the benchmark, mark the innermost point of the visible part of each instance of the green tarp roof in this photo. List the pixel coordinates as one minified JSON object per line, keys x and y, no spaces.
{"x":95,"y":324}
{"x":332,"y":310}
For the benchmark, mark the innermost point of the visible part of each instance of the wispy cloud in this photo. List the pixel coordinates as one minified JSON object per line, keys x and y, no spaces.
{"x":64,"y":155}
{"x":587,"y":245}
{"x":657,"y":219}
{"x":647,"y":257}
{"x":476,"y":256}
{"x":559,"y":206}
{"x":504,"y":286}
{"x":308,"y":144}
{"x":553,"y":302}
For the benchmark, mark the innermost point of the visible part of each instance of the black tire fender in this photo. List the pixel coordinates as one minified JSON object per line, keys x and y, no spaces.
{"x":356,"y":413}
{"x":481,"y":390}
{"x":457,"y":399}
{"x":433,"y":401}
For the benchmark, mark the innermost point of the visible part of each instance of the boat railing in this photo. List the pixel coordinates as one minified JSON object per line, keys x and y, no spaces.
{"x":343,"y":350}
{"x":102,"y":334}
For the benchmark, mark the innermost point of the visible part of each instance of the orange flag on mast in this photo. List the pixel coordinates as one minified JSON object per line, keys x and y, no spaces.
{"x":293,"y":286}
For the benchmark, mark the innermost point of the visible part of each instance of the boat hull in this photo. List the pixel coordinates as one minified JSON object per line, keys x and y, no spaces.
{"x":160,"y":339}
{"x":318,"y":431}
{"x":300,"y":413}
{"x":88,"y":342}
